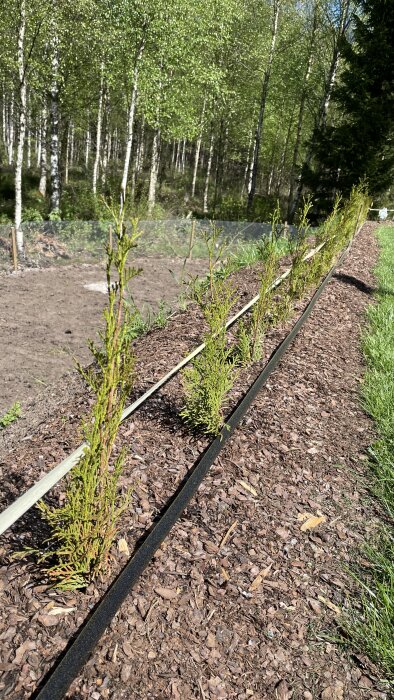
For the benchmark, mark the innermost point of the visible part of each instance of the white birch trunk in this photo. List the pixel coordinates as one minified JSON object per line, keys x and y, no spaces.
{"x":54,"y":118}
{"x":22,"y":126}
{"x":197,"y":153}
{"x":283,"y":156}
{"x":247,"y":166}
{"x":270,"y":178}
{"x":98,"y":132}
{"x":263,"y":102}
{"x":330,"y":88}
{"x":343,"y":22}
{"x":173,"y":154}
{"x":130,"y":126}
{"x":115,"y":146}
{"x":109,"y":146}
{"x":72,"y":141}
{"x":38,"y":144}
{"x":292,"y":200}
{"x":251,"y":166}
{"x":154,"y":171}
{"x":105,"y":147}
{"x":183,"y":160}
{"x":67,"y":163}
{"x":196,"y":162}
{"x":133,"y":180}
{"x":10,"y":130}
{"x":42,"y":187}
{"x":209,"y":167}
{"x":87,"y":148}
{"x":28,"y":139}
{"x":4,"y":129}
{"x":178,"y":157}
{"x":28,"y":150}
{"x":141,"y":149}
{"x":332,"y":75}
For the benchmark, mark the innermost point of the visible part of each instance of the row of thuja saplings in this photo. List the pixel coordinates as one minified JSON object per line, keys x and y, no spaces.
{"x":83,"y":528}
{"x":208,"y":380}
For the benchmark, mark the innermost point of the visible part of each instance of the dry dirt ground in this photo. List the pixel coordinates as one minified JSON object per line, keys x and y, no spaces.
{"x":47,"y":315}
{"x":251,"y":617}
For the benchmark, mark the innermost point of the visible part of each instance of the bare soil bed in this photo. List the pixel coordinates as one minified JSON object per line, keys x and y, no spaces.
{"x":47,"y":315}
{"x":246,"y":619}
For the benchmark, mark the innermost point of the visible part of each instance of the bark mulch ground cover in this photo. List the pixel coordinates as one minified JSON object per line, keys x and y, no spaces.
{"x":239,"y":602}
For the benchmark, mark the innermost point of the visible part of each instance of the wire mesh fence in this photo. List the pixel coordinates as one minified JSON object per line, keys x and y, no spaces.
{"x":51,"y":243}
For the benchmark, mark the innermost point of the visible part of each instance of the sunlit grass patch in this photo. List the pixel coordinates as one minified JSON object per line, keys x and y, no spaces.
{"x":371,"y":622}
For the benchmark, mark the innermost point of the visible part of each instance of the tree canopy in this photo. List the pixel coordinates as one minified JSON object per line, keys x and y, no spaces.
{"x":359,"y":145}
{"x":215,"y":107}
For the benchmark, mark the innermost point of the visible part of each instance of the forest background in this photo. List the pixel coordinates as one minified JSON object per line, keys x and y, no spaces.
{"x":215,"y":108}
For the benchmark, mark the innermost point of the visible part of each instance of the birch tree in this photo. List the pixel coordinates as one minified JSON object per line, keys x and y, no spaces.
{"x":98,"y":130}
{"x":54,"y":120}
{"x":42,"y":187}
{"x":276,"y":6}
{"x":292,"y":201}
{"x":227,"y":92}
{"x":22,"y":124}
{"x":338,"y":28}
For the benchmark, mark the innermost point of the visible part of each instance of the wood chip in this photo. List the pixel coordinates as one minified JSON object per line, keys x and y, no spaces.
{"x":313,"y":522}
{"x":166,"y":593}
{"x":123,"y":547}
{"x":28,"y":645}
{"x":228,"y":534}
{"x":60,"y":611}
{"x":329,"y":604}
{"x":128,"y":649}
{"x":247,"y":487}
{"x":282,"y":691}
{"x":224,"y":574}
{"x":256,"y":583}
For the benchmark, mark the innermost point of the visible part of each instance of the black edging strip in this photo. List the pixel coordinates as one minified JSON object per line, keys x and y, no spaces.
{"x":80,"y":649}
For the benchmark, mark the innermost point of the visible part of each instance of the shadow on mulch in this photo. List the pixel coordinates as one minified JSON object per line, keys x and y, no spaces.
{"x":164,"y":410}
{"x":359,"y":284}
{"x":29,"y":532}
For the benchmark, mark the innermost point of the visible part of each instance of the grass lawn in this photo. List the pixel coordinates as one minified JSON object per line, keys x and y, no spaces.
{"x":372,"y":627}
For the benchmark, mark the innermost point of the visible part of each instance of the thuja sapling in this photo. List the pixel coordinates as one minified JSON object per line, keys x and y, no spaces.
{"x":84,"y":527}
{"x":250,"y":334}
{"x":325,"y":234}
{"x":338,"y":230}
{"x":299,"y":267}
{"x":207,"y":382}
